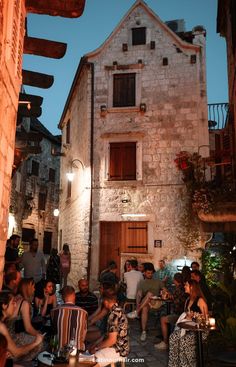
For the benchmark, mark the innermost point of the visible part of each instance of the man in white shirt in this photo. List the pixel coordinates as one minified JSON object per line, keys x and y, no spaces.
{"x":132,"y":279}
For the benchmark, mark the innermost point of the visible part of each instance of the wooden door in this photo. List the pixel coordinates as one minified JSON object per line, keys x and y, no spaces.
{"x":110,"y":239}
{"x":134,"y":237}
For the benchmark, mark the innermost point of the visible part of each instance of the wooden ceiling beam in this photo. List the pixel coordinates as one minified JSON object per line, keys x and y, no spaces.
{"x":34,"y":111}
{"x":63,"y":8}
{"x":43,"y":47}
{"x":35,"y":79}
{"x":37,"y":100}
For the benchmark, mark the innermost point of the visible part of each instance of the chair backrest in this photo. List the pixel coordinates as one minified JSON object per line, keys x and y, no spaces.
{"x":70,"y":322}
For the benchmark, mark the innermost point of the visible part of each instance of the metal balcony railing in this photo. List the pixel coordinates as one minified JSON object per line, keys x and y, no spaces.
{"x":217,"y":115}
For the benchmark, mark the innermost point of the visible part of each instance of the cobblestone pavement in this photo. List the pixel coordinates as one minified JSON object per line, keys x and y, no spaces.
{"x":144,"y":353}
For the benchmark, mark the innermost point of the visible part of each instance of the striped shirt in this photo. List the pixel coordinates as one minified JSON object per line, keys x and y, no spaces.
{"x":89,"y":302}
{"x":70,"y":322}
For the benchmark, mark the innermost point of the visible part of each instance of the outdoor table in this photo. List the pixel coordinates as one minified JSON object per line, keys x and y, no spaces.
{"x":191,"y":327}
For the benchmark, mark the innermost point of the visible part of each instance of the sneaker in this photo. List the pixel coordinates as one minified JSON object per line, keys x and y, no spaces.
{"x":132,"y":315}
{"x":143,"y":336}
{"x":161,"y":346}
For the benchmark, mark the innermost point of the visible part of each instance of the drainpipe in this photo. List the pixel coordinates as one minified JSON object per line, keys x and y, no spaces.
{"x":92,"y":167}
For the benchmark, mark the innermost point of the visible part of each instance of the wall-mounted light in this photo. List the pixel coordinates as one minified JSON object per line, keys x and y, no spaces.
{"x":133,"y":215}
{"x":28,"y":104}
{"x":103,"y":109}
{"x":143,"y":107}
{"x":70,"y":175}
{"x":56,"y":212}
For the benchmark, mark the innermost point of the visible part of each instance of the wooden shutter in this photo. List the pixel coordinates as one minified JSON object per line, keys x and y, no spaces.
{"x":68,"y":132}
{"x":42,"y":201}
{"x":122,"y":161}
{"x":51,"y":175}
{"x":35,"y":168}
{"x":124,"y":90}
{"x":134,"y":237}
{"x":138,"y":36}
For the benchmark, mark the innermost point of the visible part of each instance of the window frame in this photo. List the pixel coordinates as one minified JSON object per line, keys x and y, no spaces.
{"x":126,"y":97}
{"x":139,"y":161}
{"x":135,"y":38}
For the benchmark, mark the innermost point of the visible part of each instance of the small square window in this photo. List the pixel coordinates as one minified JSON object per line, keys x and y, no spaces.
{"x":138,"y":36}
{"x":124,"y":90}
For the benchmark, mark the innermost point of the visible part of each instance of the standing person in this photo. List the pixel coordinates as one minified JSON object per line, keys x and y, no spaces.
{"x":11,"y":254}
{"x":86,"y":299}
{"x":53,"y":267}
{"x":132,"y":279}
{"x":182,"y":351}
{"x":115,"y":346}
{"x":65,"y":264}
{"x":163,"y":274}
{"x":34,"y":263}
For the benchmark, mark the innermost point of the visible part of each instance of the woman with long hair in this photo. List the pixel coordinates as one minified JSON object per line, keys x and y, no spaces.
{"x":7,"y":310}
{"x":46,"y":300}
{"x":182,"y":348}
{"x":65,"y":264}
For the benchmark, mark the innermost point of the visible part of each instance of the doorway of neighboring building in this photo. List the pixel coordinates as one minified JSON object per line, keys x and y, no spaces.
{"x":47,"y":242}
{"x":121,"y":237}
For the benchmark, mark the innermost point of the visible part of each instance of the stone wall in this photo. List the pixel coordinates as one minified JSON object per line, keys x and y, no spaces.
{"x":10,"y":82}
{"x":175,"y":119}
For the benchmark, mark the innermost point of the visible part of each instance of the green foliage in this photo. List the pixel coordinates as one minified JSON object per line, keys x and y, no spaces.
{"x":212,"y":265}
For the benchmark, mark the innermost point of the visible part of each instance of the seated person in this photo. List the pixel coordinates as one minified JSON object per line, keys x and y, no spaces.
{"x":7,"y":308}
{"x":98,"y":320}
{"x":147,"y":288}
{"x":182,"y":348}
{"x":163,"y":274}
{"x":11,"y":281}
{"x":71,"y":316}
{"x":115,"y":346}
{"x":109,"y":274}
{"x":179,"y":297}
{"x":45,"y":298}
{"x":86,"y":299}
{"x":132,"y":279}
{"x":20,"y":326}
{"x":198,"y":276}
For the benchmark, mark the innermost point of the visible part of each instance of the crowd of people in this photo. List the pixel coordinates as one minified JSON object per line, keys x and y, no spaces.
{"x":31,"y":313}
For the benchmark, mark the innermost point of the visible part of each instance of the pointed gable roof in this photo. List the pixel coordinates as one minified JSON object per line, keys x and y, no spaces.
{"x":180,"y":42}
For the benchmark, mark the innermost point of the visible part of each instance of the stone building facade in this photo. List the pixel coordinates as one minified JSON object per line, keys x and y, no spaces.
{"x":135,"y":102}
{"x":12,"y":15}
{"x":35,"y":191}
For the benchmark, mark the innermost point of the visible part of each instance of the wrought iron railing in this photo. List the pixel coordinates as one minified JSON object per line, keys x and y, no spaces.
{"x":218,"y":115}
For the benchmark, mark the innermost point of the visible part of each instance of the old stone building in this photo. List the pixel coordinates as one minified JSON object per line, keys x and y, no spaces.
{"x":134,"y":103}
{"x":35,"y":190}
{"x":14,"y":41}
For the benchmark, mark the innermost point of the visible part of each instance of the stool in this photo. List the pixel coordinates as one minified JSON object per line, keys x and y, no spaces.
{"x":130,"y":302}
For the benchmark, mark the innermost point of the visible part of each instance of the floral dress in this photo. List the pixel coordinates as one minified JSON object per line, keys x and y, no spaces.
{"x":182,"y":348}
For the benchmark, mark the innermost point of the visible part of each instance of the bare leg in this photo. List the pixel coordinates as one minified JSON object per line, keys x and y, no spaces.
{"x":144,"y":317}
{"x":164,"y":328}
{"x":145,"y":301}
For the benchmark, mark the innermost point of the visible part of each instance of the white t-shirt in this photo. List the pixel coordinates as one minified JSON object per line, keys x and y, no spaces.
{"x":132,"y":279}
